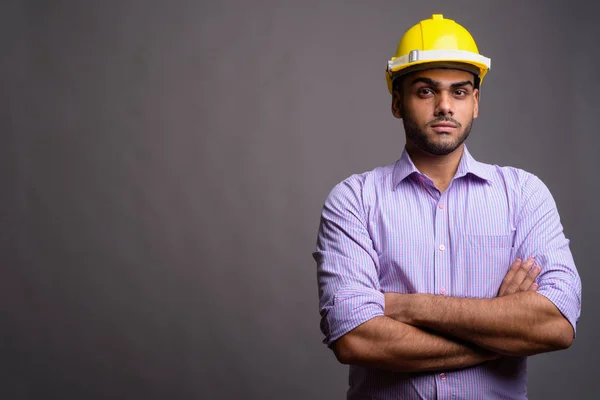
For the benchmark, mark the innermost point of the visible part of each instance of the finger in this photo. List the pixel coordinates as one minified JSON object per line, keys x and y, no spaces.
{"x":513,"y":270}
{"x":533,"y":273}
{"x":520,"y":276}
{"x":509,"y":276}
{"x":534,"y":287}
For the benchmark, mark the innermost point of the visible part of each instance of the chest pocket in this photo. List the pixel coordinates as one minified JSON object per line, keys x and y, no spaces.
{"x":483,"y":262}
{"x":487,"y":241}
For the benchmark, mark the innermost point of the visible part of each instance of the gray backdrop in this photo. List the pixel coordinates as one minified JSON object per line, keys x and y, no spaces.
{"x":164,"y":165}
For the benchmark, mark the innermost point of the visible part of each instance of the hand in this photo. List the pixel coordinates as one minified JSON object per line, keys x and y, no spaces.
{"x":396,"y":306}
{"x":520,"y":278}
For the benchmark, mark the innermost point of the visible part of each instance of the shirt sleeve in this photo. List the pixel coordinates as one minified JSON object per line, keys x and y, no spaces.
{"x":347,"y":264}
{"x":540,"y":235}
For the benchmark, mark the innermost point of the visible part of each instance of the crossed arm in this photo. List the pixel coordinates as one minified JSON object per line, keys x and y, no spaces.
{"x":422,"y":332}
{"x":520,"y":324}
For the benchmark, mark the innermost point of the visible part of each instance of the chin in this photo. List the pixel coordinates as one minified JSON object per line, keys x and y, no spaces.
{"x":440,"y":149}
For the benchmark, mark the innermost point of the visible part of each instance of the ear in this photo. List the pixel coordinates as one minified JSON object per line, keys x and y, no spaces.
{"x":476,"y":103}
{"x":397,"y":105}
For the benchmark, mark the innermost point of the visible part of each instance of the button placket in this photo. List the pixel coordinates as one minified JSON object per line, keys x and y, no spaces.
{"x":442,"y":255}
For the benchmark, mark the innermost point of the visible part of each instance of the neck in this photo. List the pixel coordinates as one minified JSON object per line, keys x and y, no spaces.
{"x":440,"y":169}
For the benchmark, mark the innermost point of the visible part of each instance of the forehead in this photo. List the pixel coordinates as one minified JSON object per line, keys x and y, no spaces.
{"x":442,"y":75}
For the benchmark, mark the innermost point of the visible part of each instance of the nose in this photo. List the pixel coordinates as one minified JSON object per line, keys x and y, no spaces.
{"x":444,"y":105}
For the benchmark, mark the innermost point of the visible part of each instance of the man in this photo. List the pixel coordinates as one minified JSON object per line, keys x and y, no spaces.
{"x":439,"y":274}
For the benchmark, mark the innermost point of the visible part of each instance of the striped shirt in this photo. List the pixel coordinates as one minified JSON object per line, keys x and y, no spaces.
{"x":391,"y":230}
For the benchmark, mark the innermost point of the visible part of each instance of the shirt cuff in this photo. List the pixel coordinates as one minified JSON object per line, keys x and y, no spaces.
{"x":564,"y":299}
{"x":352,"y":306}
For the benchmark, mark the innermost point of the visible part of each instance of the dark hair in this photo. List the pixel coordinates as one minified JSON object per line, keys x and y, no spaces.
{"x":397,"y":84}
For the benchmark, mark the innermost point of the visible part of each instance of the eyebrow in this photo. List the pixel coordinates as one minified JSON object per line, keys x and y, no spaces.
{"x":433,"y":83}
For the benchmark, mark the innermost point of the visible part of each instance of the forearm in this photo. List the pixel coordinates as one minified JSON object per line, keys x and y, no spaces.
{"x":387,"y":344}
{"x":520,"y":324}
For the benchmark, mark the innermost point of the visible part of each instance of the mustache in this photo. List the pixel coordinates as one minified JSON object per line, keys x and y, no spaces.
{"x":444,"y":119}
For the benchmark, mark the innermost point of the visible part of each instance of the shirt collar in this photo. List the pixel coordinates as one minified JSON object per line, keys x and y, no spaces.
{"x":468,"y":165}
{"x":404,"y":167}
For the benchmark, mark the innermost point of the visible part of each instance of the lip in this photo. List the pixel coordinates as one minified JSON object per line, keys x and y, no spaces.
{"x":444,"y":125}
{"x":443,"y":128}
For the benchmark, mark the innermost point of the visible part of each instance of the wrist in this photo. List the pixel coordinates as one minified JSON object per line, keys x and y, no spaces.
{"x":412,"y":309}
{"x":398,"y":306}
{"x":418,"y":309}
{"x":391,"y":305}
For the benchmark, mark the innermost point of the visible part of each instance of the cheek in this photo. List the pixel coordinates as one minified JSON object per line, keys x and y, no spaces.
{"x":467,"y":111}
{"x":421,"y":113}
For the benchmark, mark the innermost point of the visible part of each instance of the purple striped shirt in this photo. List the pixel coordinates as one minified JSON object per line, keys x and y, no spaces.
{"x":391,"y":230}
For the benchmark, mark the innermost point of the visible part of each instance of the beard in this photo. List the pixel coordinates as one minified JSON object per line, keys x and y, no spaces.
{"x":420,"y":138}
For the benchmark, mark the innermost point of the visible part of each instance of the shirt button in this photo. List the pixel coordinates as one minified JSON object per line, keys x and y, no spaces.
{"x":443,"y":376}
{"x":443,"y":291}
{"x":442,"y":247}
{"x":441,"y":206}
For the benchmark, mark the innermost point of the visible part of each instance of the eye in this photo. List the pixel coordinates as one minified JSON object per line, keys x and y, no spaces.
{"x":460,"y":92}
{"x":425,"y":91}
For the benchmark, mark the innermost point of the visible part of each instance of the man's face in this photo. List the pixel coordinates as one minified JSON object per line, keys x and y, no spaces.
{"x":437,"y":107}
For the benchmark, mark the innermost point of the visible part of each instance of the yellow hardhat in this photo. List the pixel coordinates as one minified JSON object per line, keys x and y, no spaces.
{"x":436,"y":40}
